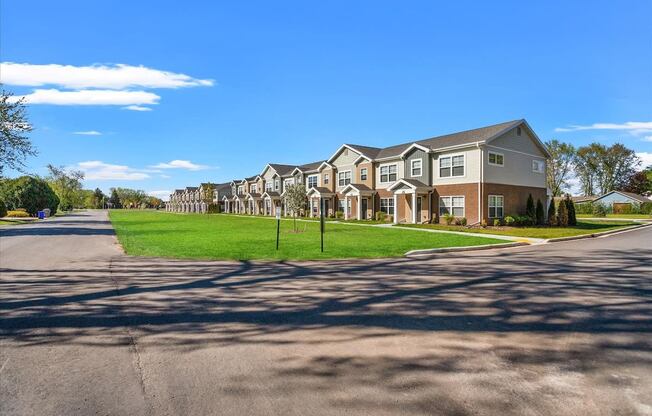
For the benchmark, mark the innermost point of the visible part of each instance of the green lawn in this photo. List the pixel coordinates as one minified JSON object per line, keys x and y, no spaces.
{"x":13,"y":222}
{"x":620,"y":216}
{"x":583,"y":227}
{"x":223,"y":236}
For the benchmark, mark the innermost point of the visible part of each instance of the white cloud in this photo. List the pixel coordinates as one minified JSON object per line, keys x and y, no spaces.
{"x":89,"y":97}
{"x":633,"y":127}
{"x":115,"y":77}
{"x":165,"y":176}
{"x":88,"y":133}
{"x":646,"y":158}
{"x":163,"y":194}
{"x":647,"y":139}
{"x":97,"y":170}
{"x":136,"y":108}
{"x":180,"y":164}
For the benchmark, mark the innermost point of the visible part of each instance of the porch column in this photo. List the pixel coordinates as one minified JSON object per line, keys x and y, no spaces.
{"x":414,"y":207}
{"x":395,"y":209}
{"x":359,"y":207}
{"x":346,"y":207}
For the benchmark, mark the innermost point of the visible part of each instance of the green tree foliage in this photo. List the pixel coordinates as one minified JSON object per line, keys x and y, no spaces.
{"x":3,"y":209}
{"x":540,"y":213}
{"x":551,"y":212}
{"x":114,"y":200}
{"x":15,"y":146}
{"x":602,"y":169}
{"x":67,"y":185}
{"x":560,"y":166}
{"x":529,"y":208}
{"x":28,"y":192}
{"x":98,"y":199}
{"x":570,"y":208}
{"x":562,"y":214}
{"x":295,"y":201}
{"x":639,"y":183}
{"x":130,"y":198}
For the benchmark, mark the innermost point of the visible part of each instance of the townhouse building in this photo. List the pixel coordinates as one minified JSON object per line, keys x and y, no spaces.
{"x":479,"y":174}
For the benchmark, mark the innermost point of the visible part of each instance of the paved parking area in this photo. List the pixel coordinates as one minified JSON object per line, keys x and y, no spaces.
{"x":561,"y":329}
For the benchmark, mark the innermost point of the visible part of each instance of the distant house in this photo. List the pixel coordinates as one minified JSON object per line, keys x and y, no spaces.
{"x":578,"y":200}
{"x":616,"y":199}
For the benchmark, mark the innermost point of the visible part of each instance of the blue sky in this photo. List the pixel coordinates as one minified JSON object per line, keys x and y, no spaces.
{"x":211,"y":91}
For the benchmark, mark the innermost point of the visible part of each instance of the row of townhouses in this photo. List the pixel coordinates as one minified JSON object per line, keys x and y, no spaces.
{"x":479,"y":174}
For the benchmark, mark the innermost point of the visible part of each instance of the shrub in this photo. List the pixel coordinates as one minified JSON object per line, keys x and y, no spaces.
{"x":551,"y":212}
{"x":463,"y":221}
{"x":570,"y":207}
{"x":584,"y":208}
{"x":623,"y":209}
{"x":339,"y":214}
{"x":599,"y":210}
{"x":449,"y":219}
{"x":380,"y":216}
{"x":529,"y":208}
{"x":646,"y":208}
{"x":31,"y":193}
{"x":539,"y":212}
{"x":509,"y":220}
{"x":17,"y":214}
{"x":213,"y":209}
{"x":483,"y":223}
{"x":3,"y":209}
{"x":562,"y":215}
{"x":497,"y":222}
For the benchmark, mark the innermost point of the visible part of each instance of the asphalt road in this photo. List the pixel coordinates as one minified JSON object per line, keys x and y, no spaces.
{"x":557,"y":329}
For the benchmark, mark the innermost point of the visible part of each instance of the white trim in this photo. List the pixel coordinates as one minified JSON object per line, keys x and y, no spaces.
{"x":412,"y":146}
{"x":312,"y":175}
{"x":451,"y":156}
{"x":380,"y":175}
{"x":451,"y":206}
{"x":363,"y":157}
{"x":500,"y":165}
{"x":328,"y":165}
{"x":414,"y":208}
{"x":439,"y":150}
{"x":522,"y":122}
{"x":395,"y":209}
{"x":540,"y":163}
{"x":342,"y":147}
{"x":514,"y":151}
{"x":366,"y":173}
{"x":502,"y":197}
{"x":350,"y":177}
{"x":420,"y":175}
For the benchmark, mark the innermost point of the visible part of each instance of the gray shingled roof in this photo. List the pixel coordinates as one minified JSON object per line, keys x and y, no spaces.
{"x":191,"y":188}
{"x":308,"y":167}
{"x":636,"y":197}
{"x":282,"y":170}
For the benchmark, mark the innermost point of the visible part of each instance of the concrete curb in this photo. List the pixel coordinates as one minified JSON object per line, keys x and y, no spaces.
{"x":596,"y":235}
{"x":428,"y":251}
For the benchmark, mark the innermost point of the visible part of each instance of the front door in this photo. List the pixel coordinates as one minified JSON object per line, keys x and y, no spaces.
{"x":418,"y":216}
{"x":363,"y":208}
{"x":326,"y":206}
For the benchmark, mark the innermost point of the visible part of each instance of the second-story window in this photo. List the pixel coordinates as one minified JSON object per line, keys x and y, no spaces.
{"x":388,"y":173}
{"x":344,"y":178}
{"x":253,"y":189}
{"x":538,"y":166}
{"x":363,"y":174}
{"x":416,"y":167}
{"x":326,"y":178}
{"x":277,"y":184}
{"x":451,"y":166}
{"x":268,"y":186}
{"x":312,"y":181}
{"x":496,"y":159}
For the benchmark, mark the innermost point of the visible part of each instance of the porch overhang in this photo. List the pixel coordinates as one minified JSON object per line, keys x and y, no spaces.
{"x":354,"y":189}
{"x":409,"y":186}
{"x":271,"y":195}
{"x":318,"y":192}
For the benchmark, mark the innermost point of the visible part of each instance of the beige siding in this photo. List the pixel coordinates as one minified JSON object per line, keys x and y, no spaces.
{"x":471,"y":167}
{"x":523,"y":143}
{"x":343,"y":162}
{"x":400,"y":171}
{"x":517,"y":169}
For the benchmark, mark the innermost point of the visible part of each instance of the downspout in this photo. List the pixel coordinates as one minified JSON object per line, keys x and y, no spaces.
{"x":480,"y":201}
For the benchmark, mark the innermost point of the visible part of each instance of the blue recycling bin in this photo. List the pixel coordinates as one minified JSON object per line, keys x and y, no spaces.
{"x":41,"y":215}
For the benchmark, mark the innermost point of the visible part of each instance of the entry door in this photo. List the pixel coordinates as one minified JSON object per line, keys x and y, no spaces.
{"x":326,"y":204}
{"x":418,"y":216}
{"x":364,"y":204}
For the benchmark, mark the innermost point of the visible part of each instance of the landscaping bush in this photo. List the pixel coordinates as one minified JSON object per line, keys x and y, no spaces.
{"x":339,"y":214}
{"x":497,"y":222}
{"x":3,"y":209}
{"x":509,"y":220}
{"x":213,"y":209}
{"x":562,"y":215}
{"x":523,"y":220}
{"x":380,"y":216}
{"x":551,"y":212}
{"x":570,"y":207}
{"x":623,"y":209}
{"x":483,"y":224}
{"x":646,"y":208}
{"x":31,"y":193}
{"x":449,"y":219}
{"x":529,"y":208}
{"x":539,"y":212}
{"x":584,"y":208}
{"x":599,"y":210}
{"x":17,"y":214}
{"x":463,"y":221}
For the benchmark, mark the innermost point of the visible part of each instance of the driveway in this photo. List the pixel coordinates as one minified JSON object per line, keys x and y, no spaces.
{"x":555,"y":329}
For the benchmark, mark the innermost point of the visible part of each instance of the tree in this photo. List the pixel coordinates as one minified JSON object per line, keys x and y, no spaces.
{"x":551,"y":212}
{"x":114,"y":199}
{"x":529,"y":209}
{"x":130,"y":198}
{"x":562,"y":214}
{"x":207,"y":193}
{"x":295,"y":200}
{"x":639,"y":183}
{"x":28,"y":192}
{"x":15,"y":146}
{"x":560,"y":165}
{"x":539,"y":212}
{"x":603,"y":169}
{"x":3,"y":209}
{"x":586,"y":163}
{"x":570,"y":208}
{"x":98,"y":198}
{"x":67,"y":185}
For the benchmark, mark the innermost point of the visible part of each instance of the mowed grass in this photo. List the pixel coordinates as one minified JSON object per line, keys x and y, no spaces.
{"x":583,"y":227}
{"x":221,"y":236}
{"x":620,"y":216}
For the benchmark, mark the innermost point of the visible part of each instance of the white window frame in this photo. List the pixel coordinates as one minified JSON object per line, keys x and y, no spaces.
{"x":253,"y":188}
{"x":420,"y":167}
{"x":341,"y":178}
{"x":538,"y":166}
{"x":388,"y":166}
{"x":326,"y":178}
{"x":493,"y":203}
{"x":316,"y":181}
{"x":269,"y":185}
{"x":389,"y":207}
{"x":495,"y":163}
{"x":451,"y":206}
{"x":451,"y":156}
{"x":364,"y":172}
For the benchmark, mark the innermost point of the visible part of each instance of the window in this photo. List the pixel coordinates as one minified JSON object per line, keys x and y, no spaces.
{"x":387,"y":205}
{"x":253,"y":189}
{"x":312,"y":181}
{"x":344,"y":178}
{"x":268,"y":186}
{"x":277,"y":184}
{"x":340,"y":205}
{"x":416,"y":167}
{"x":538,"y":166}
{"x":388,"y":173}
{"x":451,"y":205}
{"x":287,"y":183}
{"x":496,"y":159}
{"x":518,"y":131}
{"x":240,"y":190}
{"x":326,"y":178}
{"x":496,"y":206}
{"x":363,"y":174}
{"x":451,"y":166}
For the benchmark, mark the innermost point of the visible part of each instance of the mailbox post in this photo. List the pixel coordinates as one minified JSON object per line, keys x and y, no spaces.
{"x":278,"y":226}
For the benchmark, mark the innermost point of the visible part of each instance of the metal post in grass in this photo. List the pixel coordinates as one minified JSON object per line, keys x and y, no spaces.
{"x":321,"y":222}
{"x":278,"y":226}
